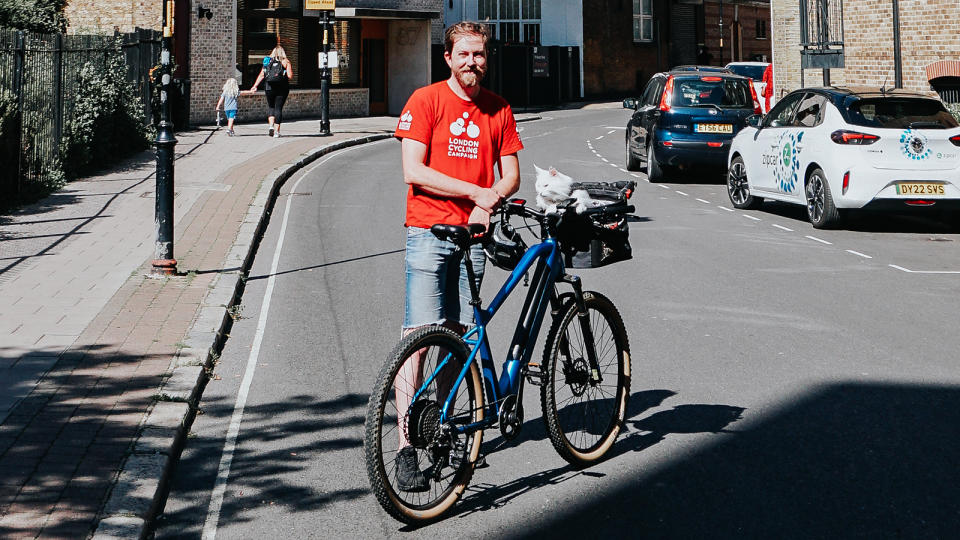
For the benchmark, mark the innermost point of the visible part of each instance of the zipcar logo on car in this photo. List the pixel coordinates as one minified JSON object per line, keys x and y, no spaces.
{"x":787,"y":167}
{"x":914,"y":145}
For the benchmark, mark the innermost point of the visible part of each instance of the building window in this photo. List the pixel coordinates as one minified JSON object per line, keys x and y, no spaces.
{"x":642,"y":20}
{"x":761,"y":29}
{"x":512,"y":21}
{"x":262,"y":25}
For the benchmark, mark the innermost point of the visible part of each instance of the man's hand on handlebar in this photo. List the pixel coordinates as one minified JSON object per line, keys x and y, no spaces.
{"x":481,"y":216}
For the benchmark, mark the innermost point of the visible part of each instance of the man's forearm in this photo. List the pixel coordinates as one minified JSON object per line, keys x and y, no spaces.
{"x":437,"y":183}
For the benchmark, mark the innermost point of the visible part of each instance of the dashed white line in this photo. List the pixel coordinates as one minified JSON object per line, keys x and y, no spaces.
{"x":622,"y":169}
{"x":682,"y":193}
{"x":663,"y":186}
{"x":611,"y":131}
{"x":635,"y":175}
{"x":598,"y":138}
{"x":858,"y":254}
{"x":902,"y":269}
{"x":815,"y":239}
{"x":748,"y":216}
{"x":612,"y":164}
{"x":703,"y":201}
{"x":605,"y":159}
{"x":725,"y":208}
{"x":782,"y":228}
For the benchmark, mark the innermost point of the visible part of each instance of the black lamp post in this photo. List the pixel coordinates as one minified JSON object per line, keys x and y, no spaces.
{"x":325,"y":76}
{"x":164,"y":263}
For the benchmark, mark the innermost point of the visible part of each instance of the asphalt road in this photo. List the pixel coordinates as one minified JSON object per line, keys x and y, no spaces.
{"x":787,"y":382}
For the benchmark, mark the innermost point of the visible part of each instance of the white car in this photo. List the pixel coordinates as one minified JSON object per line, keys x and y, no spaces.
{"x":832,"y":149}
{"x":754,"y":70}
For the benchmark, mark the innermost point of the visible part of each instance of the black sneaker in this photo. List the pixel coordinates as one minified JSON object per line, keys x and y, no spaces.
{"x":270,"y":132}
{"x":409,"y":475}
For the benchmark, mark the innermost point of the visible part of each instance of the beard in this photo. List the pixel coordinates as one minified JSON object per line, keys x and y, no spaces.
{"x":469,"y":78}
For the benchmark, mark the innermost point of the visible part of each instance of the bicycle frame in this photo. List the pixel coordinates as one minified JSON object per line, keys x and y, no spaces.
{"x":549,"y":269}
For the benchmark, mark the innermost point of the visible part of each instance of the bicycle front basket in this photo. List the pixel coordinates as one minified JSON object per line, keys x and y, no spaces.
{"x":594,"y":241}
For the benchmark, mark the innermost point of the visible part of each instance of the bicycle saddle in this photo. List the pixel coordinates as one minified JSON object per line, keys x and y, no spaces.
{"x":458,"y":234}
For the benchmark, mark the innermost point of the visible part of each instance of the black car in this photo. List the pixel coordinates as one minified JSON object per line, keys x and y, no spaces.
{"x":687,"y":118}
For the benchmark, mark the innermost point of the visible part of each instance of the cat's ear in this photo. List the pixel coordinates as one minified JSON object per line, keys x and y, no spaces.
{"x":553,"y":172}
{"x":538,"y":169}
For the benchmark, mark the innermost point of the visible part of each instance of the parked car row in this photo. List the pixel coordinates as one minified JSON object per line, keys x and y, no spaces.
{"x":828,"y":149}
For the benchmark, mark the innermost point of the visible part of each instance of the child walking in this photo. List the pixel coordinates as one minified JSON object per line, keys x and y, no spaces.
{"x":228,"y":100}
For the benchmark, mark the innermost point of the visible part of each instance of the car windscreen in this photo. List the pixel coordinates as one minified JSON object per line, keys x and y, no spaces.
{"x":708,"y":91}
{"x":754,"y":72}
{"x":900,"y":113}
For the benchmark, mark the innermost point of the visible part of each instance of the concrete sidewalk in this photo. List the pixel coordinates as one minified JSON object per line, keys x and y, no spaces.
{"x":101,"y":365}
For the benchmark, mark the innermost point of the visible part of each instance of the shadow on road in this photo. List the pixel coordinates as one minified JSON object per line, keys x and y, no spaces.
{"x":872,"y":222}
{"x":864,"y":460}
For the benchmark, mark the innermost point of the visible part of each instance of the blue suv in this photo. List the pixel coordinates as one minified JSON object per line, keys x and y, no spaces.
{"x":687,"y":118}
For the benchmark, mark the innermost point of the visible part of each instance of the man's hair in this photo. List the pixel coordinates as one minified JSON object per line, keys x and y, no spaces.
{"x":464,"y":28}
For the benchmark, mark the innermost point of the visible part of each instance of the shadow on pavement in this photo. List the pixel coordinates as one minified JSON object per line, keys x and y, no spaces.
{"x":847,"y":460}
{"x":864,"y":221}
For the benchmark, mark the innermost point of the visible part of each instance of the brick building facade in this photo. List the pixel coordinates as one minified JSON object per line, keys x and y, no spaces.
{"x":929,"y":43}
{"x":238,"y":33}
{"x":684,"y":32}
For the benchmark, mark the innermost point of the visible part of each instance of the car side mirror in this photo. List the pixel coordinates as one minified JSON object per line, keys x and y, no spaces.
{"x":754,"y":120}
{"x":630,"y":103}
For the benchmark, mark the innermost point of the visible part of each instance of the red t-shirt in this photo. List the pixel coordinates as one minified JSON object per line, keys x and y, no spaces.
{"x":464,"y":139}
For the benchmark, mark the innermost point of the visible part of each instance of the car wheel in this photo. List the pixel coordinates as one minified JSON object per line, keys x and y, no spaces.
{"x":822,"y":212}
{"x":738,"y":189}
{"x":654,"y":171}
{"x":633,"y":164}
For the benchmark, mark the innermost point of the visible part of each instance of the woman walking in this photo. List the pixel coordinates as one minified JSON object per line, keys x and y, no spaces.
{"x":276,"y":72}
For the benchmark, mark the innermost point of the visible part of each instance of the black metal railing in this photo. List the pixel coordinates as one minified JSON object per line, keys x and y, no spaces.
{"x":821,"y":23}
{"x":39,"y":85}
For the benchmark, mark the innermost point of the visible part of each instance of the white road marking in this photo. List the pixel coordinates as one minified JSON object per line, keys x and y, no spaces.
{"x":858,"y":254}
{"x":617,"y":128}
{"x":604,"y":159}
{"x":682,"y":193}
{"x":748,"y":216}
{"x":815,"y":239}
{"x":635,"y":175}
{"x":611,"y":131}
{"x":902,"y":269}
{"x":622,"y":169}
{"x":612,"y":164}
{"x":782,"y":228}
{"x":598,"y":138}
{"x":703,"y":201}
{"x":725,"y":208}
{"x":230,"y":444}
{"x":663,"y":186}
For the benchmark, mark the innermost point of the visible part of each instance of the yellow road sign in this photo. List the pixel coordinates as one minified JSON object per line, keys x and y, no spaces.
{"x":320,"y":4}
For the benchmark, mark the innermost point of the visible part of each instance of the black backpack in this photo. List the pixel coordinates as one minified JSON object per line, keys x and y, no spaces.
{"x":273,"y":72}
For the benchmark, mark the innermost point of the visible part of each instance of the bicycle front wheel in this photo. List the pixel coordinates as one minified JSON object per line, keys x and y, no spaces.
{"x":584,"y":412}
{"x":419,"y":466}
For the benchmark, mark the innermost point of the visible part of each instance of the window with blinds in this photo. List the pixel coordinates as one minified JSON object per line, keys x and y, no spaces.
{"x":512,"y":21}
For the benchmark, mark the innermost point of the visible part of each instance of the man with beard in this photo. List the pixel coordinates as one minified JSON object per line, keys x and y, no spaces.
{"x":453,"y":135}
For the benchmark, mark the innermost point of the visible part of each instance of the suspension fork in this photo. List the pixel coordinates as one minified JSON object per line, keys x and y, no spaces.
{"x":583,"y":317}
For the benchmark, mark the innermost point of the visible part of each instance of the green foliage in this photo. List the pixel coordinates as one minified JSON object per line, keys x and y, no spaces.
{"x":43,"y":16}
{"x":107,"y":121}
{"x":954,"y":109}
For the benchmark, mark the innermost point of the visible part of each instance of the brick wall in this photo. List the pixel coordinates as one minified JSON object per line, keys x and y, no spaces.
{"x":612,"y":63}
{"x":344,"y":102}
{"x":212,"y":58}
{"x":749,"y":46}
{"x":96,"y":16}
{"x":929,"y":32}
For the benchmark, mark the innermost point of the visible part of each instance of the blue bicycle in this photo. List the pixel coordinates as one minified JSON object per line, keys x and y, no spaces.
{"x":438,"y":390}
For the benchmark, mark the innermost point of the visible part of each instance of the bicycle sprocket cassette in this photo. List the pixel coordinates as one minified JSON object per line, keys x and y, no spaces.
{"x":423,"y":423}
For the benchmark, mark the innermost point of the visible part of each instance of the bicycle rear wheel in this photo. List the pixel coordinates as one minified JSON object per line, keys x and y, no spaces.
{"x":395,"y":419}
{"x":584,"y":413}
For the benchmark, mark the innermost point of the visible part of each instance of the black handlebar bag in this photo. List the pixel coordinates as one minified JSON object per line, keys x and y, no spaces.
{"x":600,"y":236}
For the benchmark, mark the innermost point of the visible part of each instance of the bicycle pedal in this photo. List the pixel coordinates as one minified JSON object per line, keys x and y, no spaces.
{"x":533,"y":374}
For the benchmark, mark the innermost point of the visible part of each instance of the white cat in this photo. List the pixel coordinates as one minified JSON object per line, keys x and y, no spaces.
{"x":555,"y":188}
